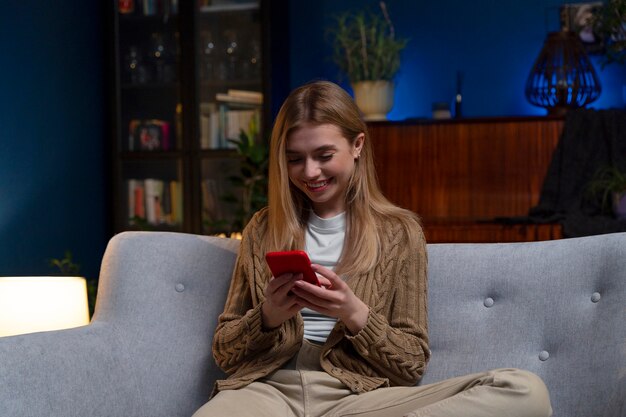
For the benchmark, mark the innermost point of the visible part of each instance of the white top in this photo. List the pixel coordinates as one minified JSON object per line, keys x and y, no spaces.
{"x":323,"y":243}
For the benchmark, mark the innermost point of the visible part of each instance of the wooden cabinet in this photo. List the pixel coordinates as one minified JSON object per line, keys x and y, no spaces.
{"x":186,"y":78}
{"x":461,"y":175}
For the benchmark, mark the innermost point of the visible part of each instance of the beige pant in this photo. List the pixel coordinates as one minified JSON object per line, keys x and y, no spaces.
{"x":302,"y":389}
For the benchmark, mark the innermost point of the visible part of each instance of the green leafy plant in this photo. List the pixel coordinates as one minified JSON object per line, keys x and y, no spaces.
{"x":365,"y":46}
{"x":251,"y":180}
{"x":141,"y":223}
{"x":606,"y":181}
{"x":610,"y":23}
{"x":67,"y":267}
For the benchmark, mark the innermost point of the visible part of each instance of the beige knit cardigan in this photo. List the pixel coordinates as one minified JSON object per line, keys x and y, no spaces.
{"x":392,"y":348}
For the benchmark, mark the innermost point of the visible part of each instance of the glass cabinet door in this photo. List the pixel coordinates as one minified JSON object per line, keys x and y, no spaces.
{"x":149,"y":192}
{"x":189,"y":79}
{"x":230,"y":102}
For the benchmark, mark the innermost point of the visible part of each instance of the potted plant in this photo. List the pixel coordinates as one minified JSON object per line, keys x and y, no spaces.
{"x":366,"y":48}
{"x":610,"y":183}
{"x":67,"y":267}
{"x":248,"y":191}
{"x":610,"y":23}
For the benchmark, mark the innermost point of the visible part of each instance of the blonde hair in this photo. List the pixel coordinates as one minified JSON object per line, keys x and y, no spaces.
{"x":315,"y":104}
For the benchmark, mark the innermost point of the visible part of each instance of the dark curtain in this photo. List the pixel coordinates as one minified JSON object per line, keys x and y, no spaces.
{"x":591,"y":139}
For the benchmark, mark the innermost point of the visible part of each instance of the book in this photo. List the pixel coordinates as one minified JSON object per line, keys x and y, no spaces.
{"x":209,"y":126}
{"x":139,"y":209}
{"x":240,"y":96}
{"x":154,"y":196}
{"x":176,"y":189}
{"x":210,"y":200}
{"x":253,"y":95}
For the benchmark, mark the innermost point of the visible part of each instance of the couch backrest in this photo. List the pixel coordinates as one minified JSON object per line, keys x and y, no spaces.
{"x":557,"y":308}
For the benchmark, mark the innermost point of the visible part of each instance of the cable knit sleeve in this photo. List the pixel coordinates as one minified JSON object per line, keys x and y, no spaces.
{"x":395,"y":339}
{"x":240,"y":339}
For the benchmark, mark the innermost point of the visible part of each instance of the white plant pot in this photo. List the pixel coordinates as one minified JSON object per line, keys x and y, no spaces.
{"x":374,"y":98}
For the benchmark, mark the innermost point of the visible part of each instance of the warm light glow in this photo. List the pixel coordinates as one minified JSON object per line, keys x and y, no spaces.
{"x":233,"y":235}
{"x":36,"y":304}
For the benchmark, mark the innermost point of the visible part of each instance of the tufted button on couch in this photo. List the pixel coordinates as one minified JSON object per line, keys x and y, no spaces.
{"x":556,"y":308}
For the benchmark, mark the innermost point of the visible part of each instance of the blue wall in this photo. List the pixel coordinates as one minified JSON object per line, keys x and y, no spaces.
{"x":53,"y":148}
{"x":493,"y":42}
{"x":52,"y":140}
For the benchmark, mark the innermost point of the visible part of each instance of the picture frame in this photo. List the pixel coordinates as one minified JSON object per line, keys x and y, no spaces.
{"x":579,"y":18}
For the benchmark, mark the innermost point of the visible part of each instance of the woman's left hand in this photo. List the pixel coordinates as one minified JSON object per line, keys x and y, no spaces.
{"x":337,"y":300}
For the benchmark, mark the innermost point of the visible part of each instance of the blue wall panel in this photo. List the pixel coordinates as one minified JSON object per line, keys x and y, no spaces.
{"x":494,"y":43}
{"x":52,"y":164}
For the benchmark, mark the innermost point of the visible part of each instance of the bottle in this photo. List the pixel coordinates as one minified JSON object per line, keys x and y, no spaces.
{"x":458,"y":99}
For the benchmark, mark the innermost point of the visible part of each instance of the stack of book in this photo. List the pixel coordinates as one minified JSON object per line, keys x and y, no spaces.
{"x":240,"y":110}
{"x":156,"y":201}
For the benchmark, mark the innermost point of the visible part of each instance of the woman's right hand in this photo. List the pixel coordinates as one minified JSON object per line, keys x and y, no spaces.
{"x":280,"y":303}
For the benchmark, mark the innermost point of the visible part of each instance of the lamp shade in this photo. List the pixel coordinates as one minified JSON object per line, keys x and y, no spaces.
{"x":35,"y":304}
{"x":562,"y":77}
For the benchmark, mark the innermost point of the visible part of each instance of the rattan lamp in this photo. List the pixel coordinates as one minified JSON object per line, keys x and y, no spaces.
{"x":562,"y":77}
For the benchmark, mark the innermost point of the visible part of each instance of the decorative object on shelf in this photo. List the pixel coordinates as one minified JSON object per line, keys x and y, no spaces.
{"x":209,"y":52}
{"x":37,"y":304}
{"x":458,"y":98}
{"x":126,"y":6}
{"x":610,"y":183}
{"x":611,"y":24}
{"x":149,"y":135}
{"x":579,"y":18}
{"x":441,"y":111}
{"x":562,"y":77}
{"x":161,"y":57}
{"x":135,"y":71}
{"x":367,"y":50}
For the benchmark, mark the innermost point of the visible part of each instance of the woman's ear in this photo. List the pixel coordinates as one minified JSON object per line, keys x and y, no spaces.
{"x":358,"y":145}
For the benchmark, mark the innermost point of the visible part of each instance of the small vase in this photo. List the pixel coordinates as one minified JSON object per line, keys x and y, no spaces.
{"x":619,"y":205}
{"x":374,"y":98}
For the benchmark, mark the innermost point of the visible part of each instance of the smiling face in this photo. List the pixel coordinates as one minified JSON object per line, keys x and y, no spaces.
{"x":320,"y":163}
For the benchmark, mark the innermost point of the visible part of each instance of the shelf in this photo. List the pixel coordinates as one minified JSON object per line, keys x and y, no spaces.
{"x":224,"y":84}
{"x":156,"y":19}
{"x":226,"y":8}
{"x":150,"y":155}
{"x":217,"y":153}
{"x":149,"y":86}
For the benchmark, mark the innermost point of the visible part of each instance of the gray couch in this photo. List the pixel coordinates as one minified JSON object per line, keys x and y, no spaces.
{"x":556,"y":308}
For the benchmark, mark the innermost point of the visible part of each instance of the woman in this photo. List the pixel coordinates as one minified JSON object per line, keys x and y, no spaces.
{"x":358,"y":344}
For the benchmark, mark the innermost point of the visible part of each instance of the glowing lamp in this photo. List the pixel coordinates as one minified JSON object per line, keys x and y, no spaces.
{"x":36,"y":304}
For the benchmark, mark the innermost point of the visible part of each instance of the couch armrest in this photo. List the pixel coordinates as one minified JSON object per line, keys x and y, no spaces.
{"x":147,"y":351}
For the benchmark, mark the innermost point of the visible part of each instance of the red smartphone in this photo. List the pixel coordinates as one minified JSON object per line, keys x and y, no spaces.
{"x":293,"y":261}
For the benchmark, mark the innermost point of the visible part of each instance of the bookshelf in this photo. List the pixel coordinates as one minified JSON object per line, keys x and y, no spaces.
{"x":187,"y":77}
